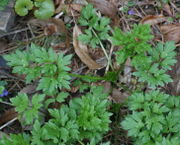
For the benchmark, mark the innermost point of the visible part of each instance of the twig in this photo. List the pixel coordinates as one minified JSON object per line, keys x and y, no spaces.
{"x":8,"y":123}
{"x":14,"y":32}
{"x":7,"y":103}
{"x":59,"y":15}
{"x":29,"y":26}
{"x":104,"y":50}
{"x":109,"y":62}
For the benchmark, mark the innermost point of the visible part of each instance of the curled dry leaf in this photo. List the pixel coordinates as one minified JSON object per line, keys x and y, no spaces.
{"x":167,"y":9}
{"x":118,"y":96}
{"x":59,"y":5}
{"x":174,"y":87}
{"x":105,"y":7}
{"x":76,"y":7}
{"x":29,"y":89}
{"x":171,"y":32}
{"x":82,"y":51}
{"x":52,"y":26}
{"x":8,"y":115}
{"x":152,"y":20}
{"x":126,"y":78}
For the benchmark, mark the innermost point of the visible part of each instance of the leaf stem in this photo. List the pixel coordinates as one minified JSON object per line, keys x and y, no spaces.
{"x":81,"y":142}
{"x":86,"y":76}
{"x":104,"y":50}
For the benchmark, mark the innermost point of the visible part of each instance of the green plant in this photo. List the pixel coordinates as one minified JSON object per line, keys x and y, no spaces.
{"x":23,"y":6}
{"x":3,"y":4}
{"x":150,"y":63}
{"x":28,"y":110}
{"x":127,"y":6}
{"x":45,"y":8}
{"x":61,"y":129}
{"x":97,"y":26}
{"x":85,"y":118}
{"x":153,"y":67}
{"x":165,"y":1}
{"x":16,"y":139}
{"x":166,"y":141}
{"x":132,"y":43}
{"x":155,"y":115}
{"x":93,"y":119}
{"x":38,"y":63}
{"x":1,"y":89}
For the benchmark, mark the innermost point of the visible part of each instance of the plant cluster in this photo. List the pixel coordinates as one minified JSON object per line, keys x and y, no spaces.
{"x":97,"y":28}
{"x":50,"y":68}
{"x":84,"y":118}
{"x":151,"y":64}
{"x":44,"y":8}
{"x":154,"y":118}
{"x":154,"y":115}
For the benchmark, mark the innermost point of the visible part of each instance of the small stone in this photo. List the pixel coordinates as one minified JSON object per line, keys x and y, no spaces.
{"x":7,"y":17}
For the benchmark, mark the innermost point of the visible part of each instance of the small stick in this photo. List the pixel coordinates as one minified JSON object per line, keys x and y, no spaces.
{"x":8,"y":123}
{"x":14,"y":32}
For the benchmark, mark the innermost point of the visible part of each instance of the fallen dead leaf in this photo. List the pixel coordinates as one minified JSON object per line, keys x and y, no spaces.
{"x":174,"y":87}
{"x":126,"y":78}
{"x":171,"y":32}
{"x":3,"y":44}
{"x":8,"y":115}
{"x":152,"y":20}
{"x":167,"y":9}
{"x":76,"y":7}
{"x":82,"y":51}
{"x":118,"y":96}
{"x":50,"y":29}
{"x":52,"y":26}
{"x":29,"y":89}
{"x":59,"y":5}
{"x":105,"y":7}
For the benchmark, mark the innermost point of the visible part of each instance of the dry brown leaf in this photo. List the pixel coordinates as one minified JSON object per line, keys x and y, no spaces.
{"x":76,"y":7}
{"x":118,"y":96}
{"x":171,"y":32}
{"x":126,"y":78}
{"x":167,"y":9}
{"x":29,"y":89}
{"x":3,"y":44}
{"x":82,"y":51}
{"x":52,"y":26}
{"x":50,"y":29}
{"x":57,"y":2}
{"x":174,"y":87}
{"x":59,"y":5}
{"x":152,"y":20}
{"x":8,"y":115}
{"x":105,"y":7}
{"x":61,"y":28}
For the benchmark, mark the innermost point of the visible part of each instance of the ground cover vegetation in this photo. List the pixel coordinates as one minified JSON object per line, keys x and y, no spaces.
{"x":129,"y":98}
